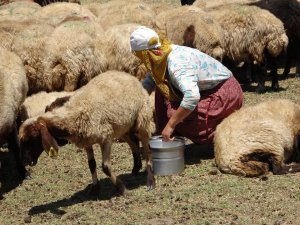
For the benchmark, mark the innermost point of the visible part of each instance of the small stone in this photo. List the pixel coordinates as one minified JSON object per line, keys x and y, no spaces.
{"x":27,"y":219}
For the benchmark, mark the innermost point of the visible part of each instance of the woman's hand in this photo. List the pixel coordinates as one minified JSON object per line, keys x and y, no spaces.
{"x":167,"y":132}
{"x":176,"y":118}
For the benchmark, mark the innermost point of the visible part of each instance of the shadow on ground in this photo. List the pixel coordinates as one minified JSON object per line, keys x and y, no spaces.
{"x":106,"y":192}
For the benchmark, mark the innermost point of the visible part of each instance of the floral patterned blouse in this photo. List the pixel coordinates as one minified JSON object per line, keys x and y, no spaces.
{"x":192,"y":71}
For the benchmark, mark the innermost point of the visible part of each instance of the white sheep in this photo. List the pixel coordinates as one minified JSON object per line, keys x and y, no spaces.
{"x":116,"y":48}
{"x":29,"y":45}
{"x":193,"y":28}
{"x":119,"y":12}
{"x":13,"y":90}
{"x":55,"y":13}
{"x":36,"y":104}
{"x":251,"y":34}
{"x":256,"y":139}
{"x":112,"y":105}
{"x":70,"y":59}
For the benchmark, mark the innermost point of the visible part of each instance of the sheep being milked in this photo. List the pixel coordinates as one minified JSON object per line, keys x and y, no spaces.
{"x":257,"y":139}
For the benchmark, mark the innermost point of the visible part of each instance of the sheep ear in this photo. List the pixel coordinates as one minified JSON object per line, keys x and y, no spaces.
{"x":49,"y":143}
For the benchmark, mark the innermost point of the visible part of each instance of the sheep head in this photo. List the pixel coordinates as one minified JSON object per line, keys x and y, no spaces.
{"x":34,"y":138}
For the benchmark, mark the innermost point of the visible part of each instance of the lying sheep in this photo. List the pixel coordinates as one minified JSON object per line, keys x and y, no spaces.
{"x":70,"y":59}
{"x":193,"y":28}
{"x":116,"y":47}
{"x":13,"y":90}
{"x":252,"y":34}
{"x":259,"y":138}
{"x":112,"y":105}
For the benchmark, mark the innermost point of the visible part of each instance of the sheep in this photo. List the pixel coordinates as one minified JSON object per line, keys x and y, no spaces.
{"x":119,"y":12}
{"x":288,"y":12}
{"x":257,"y":138}
{"x":112,"y":105}
{"x":29,"y":45}
{"x":18,"y":11}
{"x":252,"y":34}
{"x":194,"y":28}
{"x":70,"y":62}
{"x":55,"y":13}
{"x":117,"y":49}
{"x":13,"y":90}
{"x":37,"y":104}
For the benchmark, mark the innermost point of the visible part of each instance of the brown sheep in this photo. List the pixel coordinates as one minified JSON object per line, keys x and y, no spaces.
{"x":256,"y":139}
{"x":112,"y":105}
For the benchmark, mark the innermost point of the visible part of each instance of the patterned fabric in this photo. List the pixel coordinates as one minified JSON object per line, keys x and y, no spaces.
{"x":192,"y":71}
{"x":155,"y":61}
{"x":215,"y":105}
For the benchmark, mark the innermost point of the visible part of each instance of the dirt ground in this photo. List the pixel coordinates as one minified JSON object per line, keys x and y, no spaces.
{"x":58,"y":192}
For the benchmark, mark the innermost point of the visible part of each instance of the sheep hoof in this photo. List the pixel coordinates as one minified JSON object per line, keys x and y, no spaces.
{"x":95,"y":189}
{"x":275,"y":87}
{"x":121,"y":188}
{"x":260,"y":90}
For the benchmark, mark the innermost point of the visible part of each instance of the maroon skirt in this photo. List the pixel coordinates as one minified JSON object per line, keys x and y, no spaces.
{"x":214,"y":105}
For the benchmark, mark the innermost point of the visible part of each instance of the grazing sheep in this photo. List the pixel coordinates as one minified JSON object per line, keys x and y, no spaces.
{"x":13,"y":90}
{"x":70,"y":57}
{"x":29,"y":45}
{"x":259,"y":138}
{"x":288,"y":11}
{"x":252,"y":34}
{"x":112,"y":105}
{"x":193,"y":28}
{"x":117,"y":49}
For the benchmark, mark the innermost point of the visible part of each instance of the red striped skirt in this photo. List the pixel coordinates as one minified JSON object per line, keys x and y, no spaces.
{"x":214,"y":105}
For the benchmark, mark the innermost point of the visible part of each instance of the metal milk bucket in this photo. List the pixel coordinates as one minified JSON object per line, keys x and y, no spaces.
{"x":167,"y":157}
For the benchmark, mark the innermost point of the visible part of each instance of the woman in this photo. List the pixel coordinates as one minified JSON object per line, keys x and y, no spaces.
{"x":194,"y":93}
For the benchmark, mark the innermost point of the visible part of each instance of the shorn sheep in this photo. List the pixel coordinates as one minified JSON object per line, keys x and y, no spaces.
{"x":252,"y":34}
{"x":13,"y":90}
{"x":256,"y":139}
{"x":112,"y":105}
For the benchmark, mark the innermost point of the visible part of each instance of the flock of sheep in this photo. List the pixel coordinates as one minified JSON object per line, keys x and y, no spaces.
{"x":67,"y":73}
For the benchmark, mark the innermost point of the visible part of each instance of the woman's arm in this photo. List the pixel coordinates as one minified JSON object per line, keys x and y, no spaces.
{"x":177,"y":117}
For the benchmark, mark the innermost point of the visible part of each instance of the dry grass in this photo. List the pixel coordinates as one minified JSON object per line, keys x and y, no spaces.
{"x":58,"y":191}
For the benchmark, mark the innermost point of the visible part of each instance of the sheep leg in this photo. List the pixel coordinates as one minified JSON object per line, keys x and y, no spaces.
{"x":14,"y":145}
{"x":133,"y":142}
{"x":143,"y":136}
{"x":273,"y":65}
{"x":260,"y":79}
{"x":92,"y":166}
{"x":106,"y":167}
{"x":294,"y":168}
